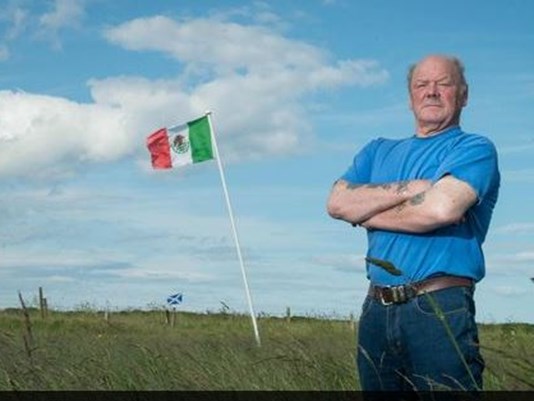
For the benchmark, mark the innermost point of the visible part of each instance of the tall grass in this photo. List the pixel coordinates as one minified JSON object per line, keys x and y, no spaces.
{"x":138,"y":351}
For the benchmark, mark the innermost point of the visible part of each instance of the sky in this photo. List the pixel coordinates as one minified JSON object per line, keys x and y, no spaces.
{"x":295,"y":90}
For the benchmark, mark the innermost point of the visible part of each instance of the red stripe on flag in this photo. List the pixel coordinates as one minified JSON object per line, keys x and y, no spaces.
{"x":159,"y":148}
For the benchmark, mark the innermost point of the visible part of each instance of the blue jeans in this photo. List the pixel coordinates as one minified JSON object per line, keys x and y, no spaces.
{"x":427,"y":343}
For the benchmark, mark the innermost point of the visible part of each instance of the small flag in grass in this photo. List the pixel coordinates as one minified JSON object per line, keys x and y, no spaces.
{"x":175,"y":299}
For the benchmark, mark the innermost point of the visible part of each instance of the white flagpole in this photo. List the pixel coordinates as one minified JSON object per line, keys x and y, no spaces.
{"x":236,"y":238}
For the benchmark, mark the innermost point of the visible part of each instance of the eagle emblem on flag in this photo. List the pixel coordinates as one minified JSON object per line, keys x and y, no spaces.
{"x":180,"y":144}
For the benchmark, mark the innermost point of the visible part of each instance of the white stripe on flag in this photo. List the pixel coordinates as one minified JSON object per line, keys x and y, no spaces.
{"x":180,"y":145}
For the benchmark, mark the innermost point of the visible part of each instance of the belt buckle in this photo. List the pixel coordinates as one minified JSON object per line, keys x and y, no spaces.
{"x":383,"y":302}
{"x":388,"y":288}
{"x":398,"y":294}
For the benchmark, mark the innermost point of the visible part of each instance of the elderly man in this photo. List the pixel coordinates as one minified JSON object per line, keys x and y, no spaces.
{"x":426,"y":202}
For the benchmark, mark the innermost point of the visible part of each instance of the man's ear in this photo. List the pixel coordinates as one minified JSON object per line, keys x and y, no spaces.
{"x":465,"y":95}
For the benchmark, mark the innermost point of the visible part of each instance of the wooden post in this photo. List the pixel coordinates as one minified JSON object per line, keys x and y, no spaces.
{"x":352,"y":322}
{"x":45,"y":307}
{"x":27,"y":336}
{"x":288,"y":314}
{"x":41,"y":302}
{"x":167,"y":317}
{"x":173,"y":317}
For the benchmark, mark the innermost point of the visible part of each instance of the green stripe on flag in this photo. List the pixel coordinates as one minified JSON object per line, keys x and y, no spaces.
{"x":200,"y":140}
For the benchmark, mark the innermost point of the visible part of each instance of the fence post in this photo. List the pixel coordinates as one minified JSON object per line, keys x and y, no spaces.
{"x":27,"y":335}
{"x":41,"y":302}
{"x":288,"y":314}
{"x":45,"y":307}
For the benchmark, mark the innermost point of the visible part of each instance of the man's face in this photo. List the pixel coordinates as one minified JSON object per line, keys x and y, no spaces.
{"x":436,"y":95}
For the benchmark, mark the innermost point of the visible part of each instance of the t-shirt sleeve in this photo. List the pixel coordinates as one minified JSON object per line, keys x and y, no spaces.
{"x":474,"y":161}
{"x":359,"y":172}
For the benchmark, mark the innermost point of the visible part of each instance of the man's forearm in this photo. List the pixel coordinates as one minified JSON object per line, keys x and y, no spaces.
{"x":443,"y":204}
{"x":356,"y":203}
{"x":408,"y":216}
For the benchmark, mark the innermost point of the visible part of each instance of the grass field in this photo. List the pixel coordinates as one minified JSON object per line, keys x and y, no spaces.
{"x":138,"y":350}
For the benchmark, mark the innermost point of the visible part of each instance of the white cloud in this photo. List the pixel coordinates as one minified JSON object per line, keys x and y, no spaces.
{"x":525,"y":257}
{"x":395,"y":113}
{"x":515,"y":228}
{"x":66,"y":13}
{"x":347,"y":262}
{"x":48,"y":259}
{"x":518,"y":264}
{"x":230,"y":48}
{"x":505,"y":290}
{"x":253,"y":79}
{"x":526,"y":147}
{"x":19,"y":20}
{"x":264,"y":74}
{"x":16,"y":20}
{"x":521,"y":175}
{"x":224,"y":45}
{"x":71,"y":266}
{"x":514,"y":258}
{"x":39,"y":132}
{"x":59,"y":279}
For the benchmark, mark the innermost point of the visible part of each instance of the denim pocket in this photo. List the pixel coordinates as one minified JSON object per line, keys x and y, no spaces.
{"x":366,"y":307}
{"x":447,"y":301}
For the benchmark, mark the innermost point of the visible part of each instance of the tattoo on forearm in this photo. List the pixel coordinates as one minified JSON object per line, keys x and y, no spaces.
{"x":399,"y":208}
{"x":383,"y":186}
{"x":402,"y":187}
{"x":414,"y":201}
{"x":418,"y":199}
{"x":357,"y":185}
{"x":354,"y":185}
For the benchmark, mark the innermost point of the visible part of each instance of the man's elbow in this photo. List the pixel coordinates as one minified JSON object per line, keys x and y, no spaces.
{"x":338,"y":209}
{"x":334,"y":208}
{"x":446,"y":214}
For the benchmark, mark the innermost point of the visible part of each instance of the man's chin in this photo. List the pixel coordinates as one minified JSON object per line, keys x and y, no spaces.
{"x":431,"y":119}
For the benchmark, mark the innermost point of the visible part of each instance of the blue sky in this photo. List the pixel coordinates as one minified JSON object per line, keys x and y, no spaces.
{"x":296,"y":88}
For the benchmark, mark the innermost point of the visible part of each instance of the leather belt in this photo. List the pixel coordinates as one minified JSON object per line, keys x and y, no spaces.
{"x":402,"y":293}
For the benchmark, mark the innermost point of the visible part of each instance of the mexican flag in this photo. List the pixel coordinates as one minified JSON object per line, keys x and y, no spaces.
{"x":181,"y":145}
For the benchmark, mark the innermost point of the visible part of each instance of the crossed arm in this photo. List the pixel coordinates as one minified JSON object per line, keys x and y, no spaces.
{"x":409,"y":206}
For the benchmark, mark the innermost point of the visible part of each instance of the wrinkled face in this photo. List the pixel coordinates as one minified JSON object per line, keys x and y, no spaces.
{"x":436,"y":95}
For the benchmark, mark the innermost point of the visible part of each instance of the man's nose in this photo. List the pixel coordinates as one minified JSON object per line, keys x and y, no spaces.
{"x":432,"y":90}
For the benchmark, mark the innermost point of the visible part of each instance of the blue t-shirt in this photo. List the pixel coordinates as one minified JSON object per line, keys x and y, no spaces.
{"x":452,"y":250}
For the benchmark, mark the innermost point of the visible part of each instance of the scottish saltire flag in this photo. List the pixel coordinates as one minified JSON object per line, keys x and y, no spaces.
{"x":175,"y":299}
{"x":181,"y":145}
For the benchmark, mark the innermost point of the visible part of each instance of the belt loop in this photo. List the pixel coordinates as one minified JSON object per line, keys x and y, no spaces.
{"x":403,"y":297}
{"x":396,"y":292}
